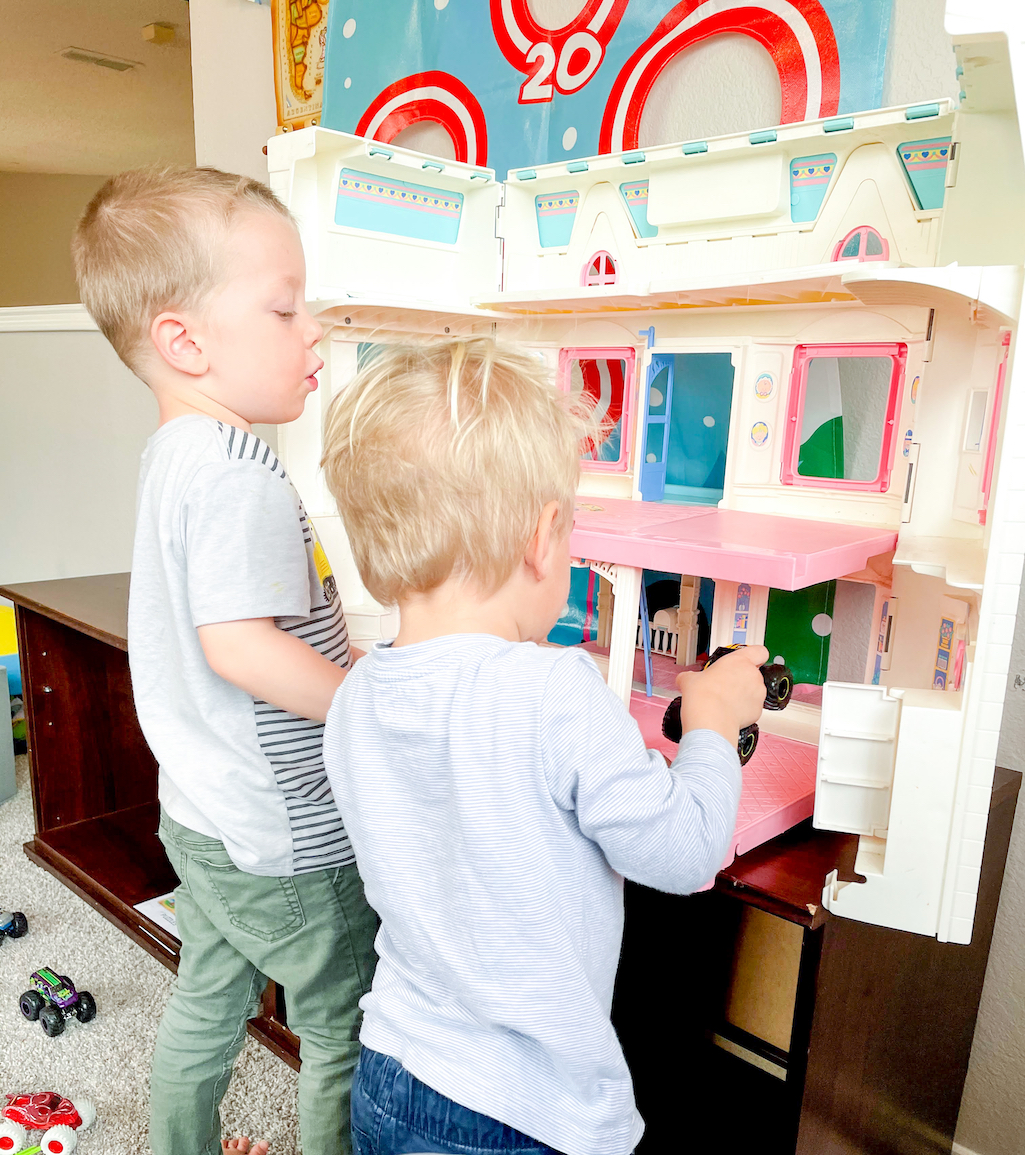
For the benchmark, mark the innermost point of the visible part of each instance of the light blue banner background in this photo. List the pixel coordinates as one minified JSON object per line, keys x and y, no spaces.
{"x":397,"y":38}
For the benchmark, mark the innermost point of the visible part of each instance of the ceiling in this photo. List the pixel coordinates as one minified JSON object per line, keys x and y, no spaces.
{"x":61,"y":116}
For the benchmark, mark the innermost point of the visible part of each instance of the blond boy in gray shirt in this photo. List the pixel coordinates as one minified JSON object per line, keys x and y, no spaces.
{"x":236,"y":640}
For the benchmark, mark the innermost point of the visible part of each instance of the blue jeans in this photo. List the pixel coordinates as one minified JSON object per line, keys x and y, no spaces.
{"x":393,"y":1113}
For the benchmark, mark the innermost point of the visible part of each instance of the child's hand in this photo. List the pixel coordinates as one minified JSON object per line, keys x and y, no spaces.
{"x":726,"y":696}
{"x":242,"y":1144}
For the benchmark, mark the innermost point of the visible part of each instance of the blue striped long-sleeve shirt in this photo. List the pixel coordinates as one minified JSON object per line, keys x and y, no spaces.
{"x":496,"y":793}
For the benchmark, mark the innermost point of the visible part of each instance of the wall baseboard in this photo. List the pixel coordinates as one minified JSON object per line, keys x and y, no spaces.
{"x":46,"y":319}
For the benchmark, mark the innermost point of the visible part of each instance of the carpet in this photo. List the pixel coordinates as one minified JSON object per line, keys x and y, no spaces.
{"x":108,"y":1059}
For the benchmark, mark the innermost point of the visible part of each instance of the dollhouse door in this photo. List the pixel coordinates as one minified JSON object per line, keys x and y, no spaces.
{"x":658,"y":404}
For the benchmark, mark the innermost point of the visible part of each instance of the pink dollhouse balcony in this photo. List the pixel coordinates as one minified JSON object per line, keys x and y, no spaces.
{"x":787,"y":553}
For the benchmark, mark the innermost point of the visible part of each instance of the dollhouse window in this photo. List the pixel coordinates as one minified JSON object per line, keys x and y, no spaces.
{"x":863,"y":244}
{"x":606,"y":376}
{"x":841,"y":416}
{"x":601,"y":270}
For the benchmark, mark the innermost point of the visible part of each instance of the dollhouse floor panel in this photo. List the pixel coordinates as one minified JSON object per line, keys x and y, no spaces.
{"x":779,"y":781}
{"x":787,"y":553}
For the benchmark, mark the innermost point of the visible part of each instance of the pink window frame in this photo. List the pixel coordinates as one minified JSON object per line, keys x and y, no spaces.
{"x":585,"y":273}
{"x":994,"y":427}
{"x":898,"y":353}
{"x":864,"y":230}
{"x":617,"y":353}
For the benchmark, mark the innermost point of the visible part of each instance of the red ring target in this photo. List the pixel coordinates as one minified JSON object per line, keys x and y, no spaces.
{"x":797,"y":34}
{"x":436,"y":96}
{"x":562,"y":59}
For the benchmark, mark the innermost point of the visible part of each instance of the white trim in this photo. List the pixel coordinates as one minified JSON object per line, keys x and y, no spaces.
{"x":46,"y":319}
{"x":961,"y":1149}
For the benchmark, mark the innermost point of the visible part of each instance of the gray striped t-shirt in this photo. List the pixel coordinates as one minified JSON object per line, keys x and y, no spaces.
{"x":221,"y":535}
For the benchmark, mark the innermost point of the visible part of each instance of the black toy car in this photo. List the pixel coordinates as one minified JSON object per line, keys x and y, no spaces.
{"x":779,"y":686}
{"x":53,"y":1000}
{"x":13,"y":924}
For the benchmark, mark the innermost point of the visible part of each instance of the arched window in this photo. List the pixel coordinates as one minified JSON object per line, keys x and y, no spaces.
{"x":862,"y":244}
{"x":600,"y":270}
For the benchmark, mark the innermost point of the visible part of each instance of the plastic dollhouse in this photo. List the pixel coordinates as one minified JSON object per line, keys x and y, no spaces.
{"x":799,"y":339}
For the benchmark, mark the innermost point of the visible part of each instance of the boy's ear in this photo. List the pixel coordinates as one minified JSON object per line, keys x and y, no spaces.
{"x":538,"y":553}
{"x":172,"y":339}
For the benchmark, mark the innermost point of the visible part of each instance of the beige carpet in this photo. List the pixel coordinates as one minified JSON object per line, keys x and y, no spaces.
{"x":108,"y":1059}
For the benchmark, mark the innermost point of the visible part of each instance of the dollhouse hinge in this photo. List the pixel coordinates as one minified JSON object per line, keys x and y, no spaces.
{"x":930,"y":330}
{"x":951,"y":175}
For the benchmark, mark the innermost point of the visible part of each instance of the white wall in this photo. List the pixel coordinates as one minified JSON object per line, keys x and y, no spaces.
{"x":75,"y":421}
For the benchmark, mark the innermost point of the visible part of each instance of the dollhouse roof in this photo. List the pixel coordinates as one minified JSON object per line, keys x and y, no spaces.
{"x":787,"y":553}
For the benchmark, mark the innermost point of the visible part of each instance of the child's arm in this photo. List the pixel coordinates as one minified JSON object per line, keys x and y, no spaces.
{"x":667,"y":827}
{"x":273,"y":665}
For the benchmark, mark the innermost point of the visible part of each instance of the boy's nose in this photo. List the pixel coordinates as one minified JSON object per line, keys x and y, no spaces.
{"x":316,"y":331}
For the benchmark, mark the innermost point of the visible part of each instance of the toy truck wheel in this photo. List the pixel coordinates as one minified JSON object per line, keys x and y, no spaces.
{"x":779,"y":685}
{"x":31,"y":1003}
{"x":85,"y":1008}
{"x":86,"y":1112}
{"x":748,"y":744}
{"x":59,"y":1140}
{"x":13,"y":1136}
{"x":671,"y":725}
{"x":52,"y":1021}
{"x":19,"y":925}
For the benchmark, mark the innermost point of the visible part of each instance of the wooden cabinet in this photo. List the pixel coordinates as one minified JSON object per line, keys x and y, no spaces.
{"x":881,"y":1021}
{"x":94,"y":780}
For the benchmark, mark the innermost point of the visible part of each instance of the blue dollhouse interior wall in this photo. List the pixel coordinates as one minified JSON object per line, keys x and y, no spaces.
{"x":579,"y":622}
{"x":688,"y":420}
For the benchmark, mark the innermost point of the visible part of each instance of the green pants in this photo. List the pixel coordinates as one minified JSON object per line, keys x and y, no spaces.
{"x":313,"y":934}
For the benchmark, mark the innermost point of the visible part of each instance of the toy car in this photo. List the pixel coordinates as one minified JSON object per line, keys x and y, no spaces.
{"x":58,"y":1118}
{"x":53,"y":1000}
{"x":13,"y":924}
{"x":779,"y":686}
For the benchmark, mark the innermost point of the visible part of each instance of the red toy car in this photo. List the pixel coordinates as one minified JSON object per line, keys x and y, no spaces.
{"x":58,"y":1118}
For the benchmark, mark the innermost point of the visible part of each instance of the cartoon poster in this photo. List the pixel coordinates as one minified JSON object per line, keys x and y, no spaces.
{"x":511,"y":94}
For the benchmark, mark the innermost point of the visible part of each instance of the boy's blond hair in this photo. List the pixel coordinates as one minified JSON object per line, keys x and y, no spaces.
{"x":153,"y":239}
{"x":441,"y":458}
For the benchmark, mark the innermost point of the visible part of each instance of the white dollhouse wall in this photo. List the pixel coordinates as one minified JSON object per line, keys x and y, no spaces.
{"x":382,"y":223}
{"x":743,"y":205}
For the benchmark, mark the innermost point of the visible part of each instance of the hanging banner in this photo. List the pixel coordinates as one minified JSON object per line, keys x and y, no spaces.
{"x":511,"y":94}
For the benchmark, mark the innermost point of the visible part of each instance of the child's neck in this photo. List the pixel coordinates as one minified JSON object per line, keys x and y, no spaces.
{"x":456,"y":607}
{"x":171,"y":405}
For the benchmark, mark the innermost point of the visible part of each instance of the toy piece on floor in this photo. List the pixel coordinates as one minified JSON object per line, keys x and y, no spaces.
{"x":779,"y":686}
{"x":58,"y":1118}
{"x":53,"y":1000}
{"x":13,"y":924}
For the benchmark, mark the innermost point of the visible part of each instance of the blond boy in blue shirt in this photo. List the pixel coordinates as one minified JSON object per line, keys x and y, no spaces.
{"x":496,"y":791}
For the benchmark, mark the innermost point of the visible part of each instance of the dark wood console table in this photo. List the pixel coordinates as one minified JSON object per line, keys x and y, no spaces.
{"x":94,"y":780}
{"x":879,"y":1022}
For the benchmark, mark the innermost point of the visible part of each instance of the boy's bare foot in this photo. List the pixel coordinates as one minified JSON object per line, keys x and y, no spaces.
{"x":242,"y":1144}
